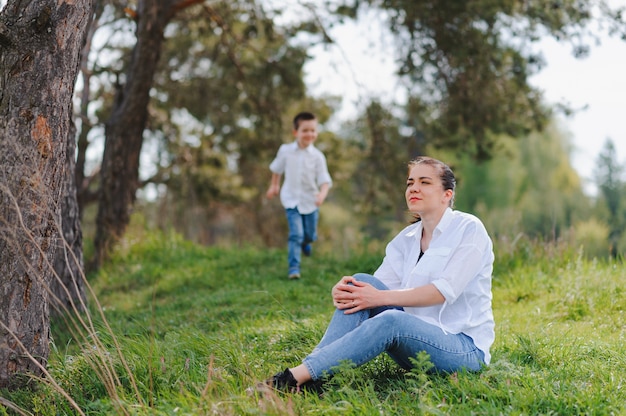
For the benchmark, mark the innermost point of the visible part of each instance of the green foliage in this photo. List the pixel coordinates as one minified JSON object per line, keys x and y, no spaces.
{"x":528,"y":187}
{"x":376,"y":182}
{"x":467,"y":64}
{"x":198,"y":326}
{"x":610,"y":179}
{"x":592,"y":236}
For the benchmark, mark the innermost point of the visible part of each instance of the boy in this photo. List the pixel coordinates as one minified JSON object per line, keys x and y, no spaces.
{"x":306,"y":186}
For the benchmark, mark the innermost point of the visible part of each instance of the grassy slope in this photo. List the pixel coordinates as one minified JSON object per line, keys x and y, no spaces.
{"x":197,"y":326}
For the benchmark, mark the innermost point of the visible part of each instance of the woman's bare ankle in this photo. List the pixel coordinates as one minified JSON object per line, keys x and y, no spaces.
{"x":301,"y":374}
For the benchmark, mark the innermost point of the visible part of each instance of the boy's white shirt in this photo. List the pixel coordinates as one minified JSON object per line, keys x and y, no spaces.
{"x":304,"y":171}
{"x":459,"y":262}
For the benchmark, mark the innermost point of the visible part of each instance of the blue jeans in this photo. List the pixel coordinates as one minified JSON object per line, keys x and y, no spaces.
{"x":361,"y":336}
{"x":302,"y":231}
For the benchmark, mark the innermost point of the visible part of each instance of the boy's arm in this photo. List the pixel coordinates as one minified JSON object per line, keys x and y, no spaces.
{"x":274,"y":188}
{"x":323,"y":193}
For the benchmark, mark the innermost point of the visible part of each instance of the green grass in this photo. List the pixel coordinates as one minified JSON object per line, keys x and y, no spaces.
{"x":197,"y":326}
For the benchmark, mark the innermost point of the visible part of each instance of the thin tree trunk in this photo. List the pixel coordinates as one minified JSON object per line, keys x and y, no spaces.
{"x":40,"y":43}
{"x":125,"y":128}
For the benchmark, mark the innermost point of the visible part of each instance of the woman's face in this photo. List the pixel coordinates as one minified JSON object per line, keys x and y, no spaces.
{"x":424,"y":191}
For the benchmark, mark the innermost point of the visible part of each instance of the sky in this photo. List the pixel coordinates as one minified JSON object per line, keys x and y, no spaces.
{"x":362,"y":65}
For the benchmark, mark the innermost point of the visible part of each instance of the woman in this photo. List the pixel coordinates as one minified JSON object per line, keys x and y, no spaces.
{"x":431,"y":293}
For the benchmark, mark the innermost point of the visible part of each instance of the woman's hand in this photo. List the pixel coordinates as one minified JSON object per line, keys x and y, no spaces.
{"x":351,"y":295}
{"x":341,"y":291}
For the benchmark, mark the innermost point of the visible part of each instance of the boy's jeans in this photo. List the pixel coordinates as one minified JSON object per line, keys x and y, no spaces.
{"x":302,"y":231}
{"x":361,"y":336}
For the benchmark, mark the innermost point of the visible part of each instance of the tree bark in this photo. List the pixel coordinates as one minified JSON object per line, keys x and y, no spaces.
{"x":124,"y":129}
{"x":40,"y":43}
{"x":68,"y":286}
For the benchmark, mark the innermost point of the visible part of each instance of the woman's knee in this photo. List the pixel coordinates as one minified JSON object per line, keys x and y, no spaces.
{"x":388,"y":319}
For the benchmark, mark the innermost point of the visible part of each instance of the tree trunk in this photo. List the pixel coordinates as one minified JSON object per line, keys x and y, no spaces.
{"x":40,"y":43}
{"x":124,"y":130}
{"x":68,"y":286}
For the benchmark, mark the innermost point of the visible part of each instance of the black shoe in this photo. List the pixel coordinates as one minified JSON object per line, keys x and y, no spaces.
{"x":285,"y":382}
{"x":313,"y":386}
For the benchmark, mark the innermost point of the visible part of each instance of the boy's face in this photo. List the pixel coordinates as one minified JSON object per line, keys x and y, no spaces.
{"x":306,"y":133}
